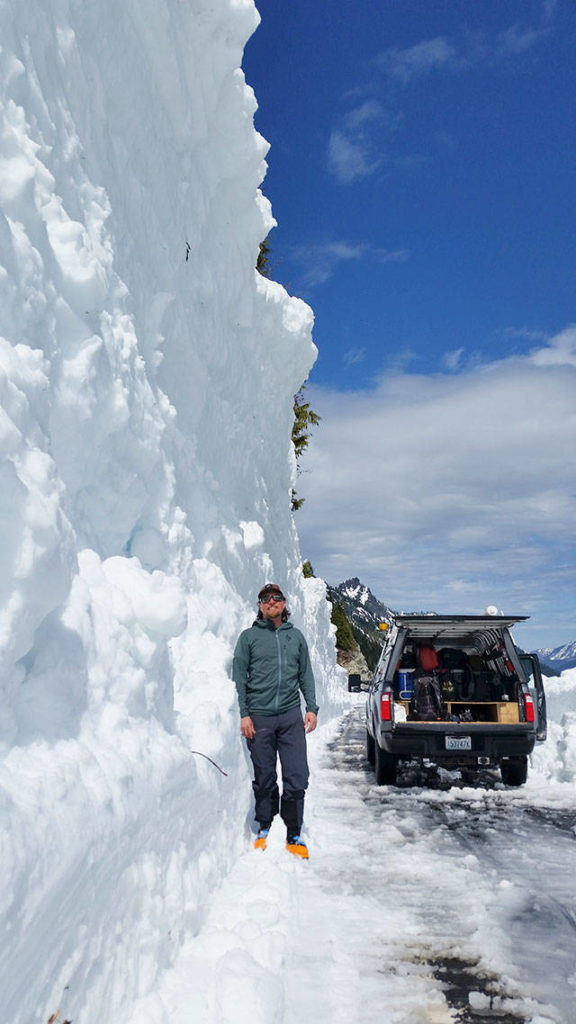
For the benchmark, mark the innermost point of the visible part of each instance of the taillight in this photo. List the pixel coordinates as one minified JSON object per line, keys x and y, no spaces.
{"x":529,"y":708}
{"x":385,"y":707}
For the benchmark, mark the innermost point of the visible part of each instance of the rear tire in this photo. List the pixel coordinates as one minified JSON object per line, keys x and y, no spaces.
{"x":385,"y":767}
{"x":515,"y":771}
{"x":370,"y":748}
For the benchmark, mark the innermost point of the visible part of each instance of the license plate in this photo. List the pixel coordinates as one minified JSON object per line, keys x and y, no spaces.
{"x":458,"y":743}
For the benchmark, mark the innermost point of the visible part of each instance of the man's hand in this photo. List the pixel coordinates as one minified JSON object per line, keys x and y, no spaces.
{"x":247,"y":728}
{"x":310,"y":721}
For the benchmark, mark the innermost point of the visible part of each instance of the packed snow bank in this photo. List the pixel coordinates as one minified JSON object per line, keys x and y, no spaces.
{"x":555,"y":760}
{"x":146,"y":382}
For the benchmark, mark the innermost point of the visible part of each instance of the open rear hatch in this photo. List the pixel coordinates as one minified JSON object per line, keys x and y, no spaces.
{"x":474,"y":670}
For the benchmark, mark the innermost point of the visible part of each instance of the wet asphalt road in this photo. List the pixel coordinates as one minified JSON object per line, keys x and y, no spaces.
{"x":508,"y":846}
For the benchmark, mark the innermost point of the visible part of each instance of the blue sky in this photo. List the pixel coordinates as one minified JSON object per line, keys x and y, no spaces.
{"x":422,"y":175}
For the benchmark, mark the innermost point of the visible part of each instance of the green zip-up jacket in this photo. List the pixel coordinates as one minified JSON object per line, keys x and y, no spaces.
{"x":270,"y":668}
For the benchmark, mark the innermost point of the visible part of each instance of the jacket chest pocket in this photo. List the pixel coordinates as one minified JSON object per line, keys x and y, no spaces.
{"x":290,"y":656}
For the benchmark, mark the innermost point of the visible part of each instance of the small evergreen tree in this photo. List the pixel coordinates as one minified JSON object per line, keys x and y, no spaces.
{"x":304,"y":418}
{"x":307,"y":570}
{"x":263,"y":261}
{"x":344,"y":636}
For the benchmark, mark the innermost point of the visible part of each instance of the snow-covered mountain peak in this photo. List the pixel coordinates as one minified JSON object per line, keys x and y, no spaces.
{"x":365,"y":612}
{"x":361,"y":597}
{"x":560,"y":658}
{"x":355,"y":590}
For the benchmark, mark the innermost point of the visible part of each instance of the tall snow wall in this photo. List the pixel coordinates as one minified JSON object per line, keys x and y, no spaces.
{"x":146,"y":382}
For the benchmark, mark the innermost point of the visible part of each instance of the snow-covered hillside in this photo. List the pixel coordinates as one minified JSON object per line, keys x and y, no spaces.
{"x":560,"y":658}
{"x":146,"y":382}
{"x":362,"y":608}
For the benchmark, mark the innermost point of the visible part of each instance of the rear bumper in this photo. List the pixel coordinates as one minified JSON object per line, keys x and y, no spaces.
{"x":428,"y":740}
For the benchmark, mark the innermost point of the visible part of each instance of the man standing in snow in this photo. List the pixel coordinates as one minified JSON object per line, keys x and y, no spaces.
{"x":271,"y":666}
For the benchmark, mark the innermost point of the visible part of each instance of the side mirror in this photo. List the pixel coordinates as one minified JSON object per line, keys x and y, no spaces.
{"x":354,"y":683}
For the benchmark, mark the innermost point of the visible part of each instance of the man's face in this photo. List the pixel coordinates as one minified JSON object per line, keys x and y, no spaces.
{"x":272,"y":606}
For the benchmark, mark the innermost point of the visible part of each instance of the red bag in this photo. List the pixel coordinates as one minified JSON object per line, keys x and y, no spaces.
{"x":428,"y":659}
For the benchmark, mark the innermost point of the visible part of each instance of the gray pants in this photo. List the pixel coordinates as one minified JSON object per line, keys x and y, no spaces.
{"x":279,"y":736}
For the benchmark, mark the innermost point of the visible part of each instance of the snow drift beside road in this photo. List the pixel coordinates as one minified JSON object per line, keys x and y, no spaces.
{"x":146,"y":382}
{"x":555,"y":760}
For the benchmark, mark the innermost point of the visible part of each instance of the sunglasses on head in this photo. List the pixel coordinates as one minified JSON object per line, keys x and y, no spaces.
{"x":271,"y":597}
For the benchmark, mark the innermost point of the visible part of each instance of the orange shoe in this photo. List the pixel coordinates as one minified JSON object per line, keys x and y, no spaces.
{"x":296,"y":846}
{"x":260,"y":841}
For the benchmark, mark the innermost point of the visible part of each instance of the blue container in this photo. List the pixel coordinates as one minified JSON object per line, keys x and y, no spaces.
{"x":405,"y":684}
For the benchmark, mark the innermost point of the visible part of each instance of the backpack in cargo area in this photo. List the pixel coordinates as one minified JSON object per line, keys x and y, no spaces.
{"x":455,"y":673}
{"x":452,"y":657}
{"x":427,"y":700}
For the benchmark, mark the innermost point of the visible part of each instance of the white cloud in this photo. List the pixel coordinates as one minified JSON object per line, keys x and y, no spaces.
{"x":392,"y":255}
{"x":516,"y":40}
{"x":550,"y":9}
{"x":354,"y":356}
{"x":527,"y":333}
{"x":419,"y":60}
{"x":350,"y":151}
{"x":369,"y":110}
{"x":320,"y":261}
{"x":354,"y":152}
{"x":560,"y":352}
{"x":349,"y":156}
{"x":453,"y":359}
{"x":451,"y":491}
